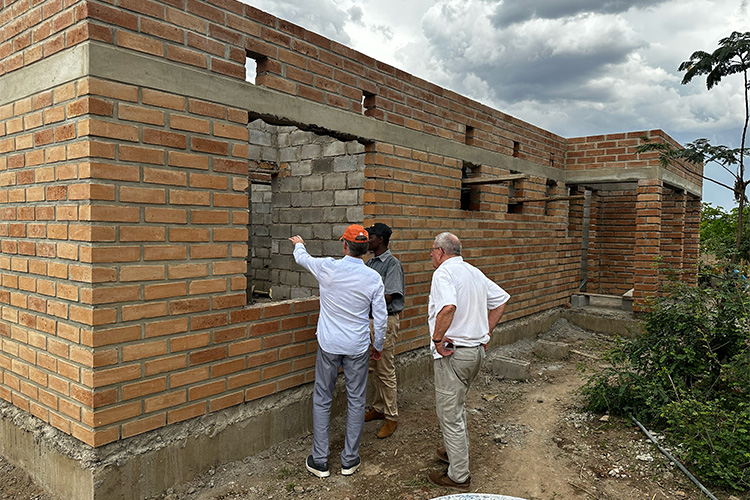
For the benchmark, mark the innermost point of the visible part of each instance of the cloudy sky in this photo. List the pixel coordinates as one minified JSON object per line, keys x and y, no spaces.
{"x":574,"y":67}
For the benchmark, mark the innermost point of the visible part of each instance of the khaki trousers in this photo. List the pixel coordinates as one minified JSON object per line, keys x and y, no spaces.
{"x":383,"y":372}
{"x":453,"y":377}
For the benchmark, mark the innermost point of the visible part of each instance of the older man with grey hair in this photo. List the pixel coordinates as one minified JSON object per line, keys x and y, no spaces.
{"x":464,"y":307}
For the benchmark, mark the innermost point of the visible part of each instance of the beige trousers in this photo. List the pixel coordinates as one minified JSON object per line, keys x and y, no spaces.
{"x":383,"y":372}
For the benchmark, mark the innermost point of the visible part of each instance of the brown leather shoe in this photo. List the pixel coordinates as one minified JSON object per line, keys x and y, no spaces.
{"x":374,"y":415}
{"x":388,"y":427}
{"x":442,"y":479}
{"x":442,"y":455}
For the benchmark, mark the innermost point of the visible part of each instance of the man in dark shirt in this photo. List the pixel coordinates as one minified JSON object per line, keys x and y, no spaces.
{"x":382,"y":372}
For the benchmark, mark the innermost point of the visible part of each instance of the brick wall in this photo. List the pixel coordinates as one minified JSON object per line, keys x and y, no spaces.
{"x":124,"y":212}
{"x":619,"y":151}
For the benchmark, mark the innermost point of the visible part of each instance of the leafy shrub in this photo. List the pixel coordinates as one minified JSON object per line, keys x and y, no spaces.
{"x":689,"y":375}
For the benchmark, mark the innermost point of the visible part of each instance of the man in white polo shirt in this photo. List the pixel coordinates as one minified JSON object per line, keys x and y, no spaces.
{"x":348,"y":291}
{"x":463,"y":309}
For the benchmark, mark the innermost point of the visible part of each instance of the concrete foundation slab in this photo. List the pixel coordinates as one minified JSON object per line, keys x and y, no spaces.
{"x":149,"y":464}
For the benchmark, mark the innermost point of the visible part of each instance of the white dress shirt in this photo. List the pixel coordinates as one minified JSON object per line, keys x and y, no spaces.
{"x":348,"y":289}
{"x":460,"y":284}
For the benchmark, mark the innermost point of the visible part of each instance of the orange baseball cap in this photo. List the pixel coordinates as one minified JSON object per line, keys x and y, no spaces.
{"x":356,"y":234}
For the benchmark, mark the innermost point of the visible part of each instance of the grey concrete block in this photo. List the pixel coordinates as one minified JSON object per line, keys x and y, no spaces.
{"x":281,"y":200}
{"x":279,"y":292}
{"x":300,"y":137}
{"x":289,"y":185}
{"x":322,"y":165}
{"x":302,"y":200}
{"x":551,"y":350}
{"x":323,"y":232}
{"x":254,"y":152}
{"x":511,"y":368}
{"x":311,"y":151}
{"x":260,"y":138}
{"x":299,"y":293}
{"x":334,"y":181}
{"x":311,"y":183}
{"x":280,"y":232}
{"x":347,"y":163}
{"x":290,"y":278}
{"x":301,"y":168}
{"x":579,"y":300}
{"x":310,"y":215}
{"x":335,"y":148}
{"x":322,"y":199}
{"x":269,"y":155}
{"x":332,"y":248}
{"x":355,"y":215}
{"x":289,"y":155}
{"x":335,"y":215}
{"x":308,"y":281}
{"x":288,"y":216}
{"x":354,"y":147}
{"x":355,"y":180}
{"x":348,"y":197}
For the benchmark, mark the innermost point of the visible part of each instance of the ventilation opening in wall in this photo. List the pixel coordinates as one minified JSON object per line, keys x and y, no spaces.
{"x":516,"y":149}
{"x":470,"y":194}
{"x":514,"y":207}
{"x":549,"y":192}
{"x":255,"y":65}
{"x":368,"y":102}
{"x":251,"y":70}
{"x":302,"y":184}
{"x":469,"y":137}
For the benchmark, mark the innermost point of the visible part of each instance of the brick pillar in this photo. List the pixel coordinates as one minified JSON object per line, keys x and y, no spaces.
{"x":647,"y":241}
{"x":673,"y":229}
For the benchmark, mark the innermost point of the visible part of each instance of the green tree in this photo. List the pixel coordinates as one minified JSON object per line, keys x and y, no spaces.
{"x":718,"y":232}
{"x":730,"y":58}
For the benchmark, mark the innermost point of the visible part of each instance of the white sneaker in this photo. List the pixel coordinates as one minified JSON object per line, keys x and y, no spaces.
{"x":348,"y":471}
{"x":317,"y":470}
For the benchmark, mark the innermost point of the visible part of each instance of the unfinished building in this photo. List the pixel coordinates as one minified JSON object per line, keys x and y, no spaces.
{"x":148,"y":186}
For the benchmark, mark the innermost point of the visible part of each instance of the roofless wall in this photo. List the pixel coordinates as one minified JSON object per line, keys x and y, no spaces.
{"x":132,"y":151}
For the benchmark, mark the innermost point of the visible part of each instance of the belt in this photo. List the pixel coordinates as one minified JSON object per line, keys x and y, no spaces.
{"x":466,"y":346}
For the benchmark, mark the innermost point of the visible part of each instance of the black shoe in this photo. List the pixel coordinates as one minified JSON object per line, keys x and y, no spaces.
{"x":348,"y":471}
{"x":317,"y":470}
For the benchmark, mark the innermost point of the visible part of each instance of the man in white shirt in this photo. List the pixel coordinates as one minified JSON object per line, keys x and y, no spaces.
{"x":348,"y":291}
{"x":463,"y":309}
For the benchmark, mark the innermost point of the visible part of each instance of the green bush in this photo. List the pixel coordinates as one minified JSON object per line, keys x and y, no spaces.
{"x":688,"y":375}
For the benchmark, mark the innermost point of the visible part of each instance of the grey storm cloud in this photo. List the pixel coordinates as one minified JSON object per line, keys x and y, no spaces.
{"x":511,"y":12}
{"x":326,"y":18}
{"x":545,"y":61}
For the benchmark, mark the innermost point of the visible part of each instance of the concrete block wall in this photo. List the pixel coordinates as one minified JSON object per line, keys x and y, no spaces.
{"x":125,"y":205}
{"x":316,"y":191}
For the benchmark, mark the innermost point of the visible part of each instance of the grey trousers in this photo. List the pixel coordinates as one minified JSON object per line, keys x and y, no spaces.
{"x":453,"y":377}
{"x":355,"y":374}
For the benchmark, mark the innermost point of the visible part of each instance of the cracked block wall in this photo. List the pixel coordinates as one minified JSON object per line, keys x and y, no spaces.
{"x":146,"y":194}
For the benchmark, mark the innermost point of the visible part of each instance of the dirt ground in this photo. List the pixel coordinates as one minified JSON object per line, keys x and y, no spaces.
{"x":528,"y":440}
